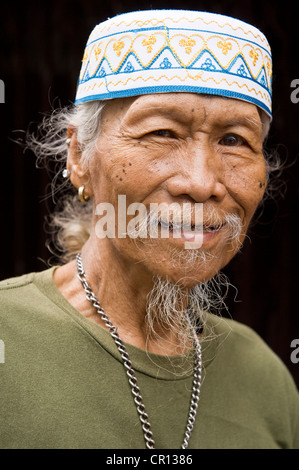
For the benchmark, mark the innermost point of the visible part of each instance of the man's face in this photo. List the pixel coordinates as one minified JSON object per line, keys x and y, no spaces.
{"x":180,"y":148}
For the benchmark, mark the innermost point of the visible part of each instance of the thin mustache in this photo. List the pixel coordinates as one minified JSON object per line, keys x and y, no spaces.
{"x":212,"y":220}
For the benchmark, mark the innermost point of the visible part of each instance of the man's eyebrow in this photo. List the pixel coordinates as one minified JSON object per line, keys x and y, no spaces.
{"x":249,"y":122}
{"x":167,"y":110}
{"x":173,"y":111}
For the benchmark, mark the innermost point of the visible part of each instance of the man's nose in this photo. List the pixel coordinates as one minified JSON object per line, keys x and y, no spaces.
{"x":199,"y":176}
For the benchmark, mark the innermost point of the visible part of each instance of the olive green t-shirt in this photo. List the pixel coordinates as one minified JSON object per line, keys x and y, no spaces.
{"x":63,"y":384}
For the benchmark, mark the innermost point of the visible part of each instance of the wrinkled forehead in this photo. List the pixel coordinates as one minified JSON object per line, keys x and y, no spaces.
{"x":184,"y":108}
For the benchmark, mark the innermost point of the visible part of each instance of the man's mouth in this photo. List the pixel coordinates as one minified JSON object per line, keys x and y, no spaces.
{"x":175,"y":227}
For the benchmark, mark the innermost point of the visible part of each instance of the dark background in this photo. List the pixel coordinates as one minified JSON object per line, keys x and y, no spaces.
{"x":42,"y":45}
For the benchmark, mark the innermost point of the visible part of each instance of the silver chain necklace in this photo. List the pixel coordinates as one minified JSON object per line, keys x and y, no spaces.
{"x":148,"y":435}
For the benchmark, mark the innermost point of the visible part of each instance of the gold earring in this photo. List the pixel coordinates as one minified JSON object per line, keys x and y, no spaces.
{"x":81,"y":194}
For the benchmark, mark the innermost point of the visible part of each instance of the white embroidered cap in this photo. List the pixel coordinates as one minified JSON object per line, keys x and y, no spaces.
{"x":158,"y":51}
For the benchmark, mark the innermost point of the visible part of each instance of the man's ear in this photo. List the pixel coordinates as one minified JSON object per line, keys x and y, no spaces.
{"x":79,"y":175}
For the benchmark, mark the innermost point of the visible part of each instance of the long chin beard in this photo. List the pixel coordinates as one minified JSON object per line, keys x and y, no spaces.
{"x":173,"y":311}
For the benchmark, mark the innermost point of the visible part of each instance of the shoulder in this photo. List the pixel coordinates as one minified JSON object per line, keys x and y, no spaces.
{"x":16,"y":282}
{"x":22,"y":291}
{"x":241,"y":341}
{"x":247,"y":353}
{"x":246,"y":371}
{"x":14,"y":291}
{"x":233,"y":333}
{"x":26,"y":279}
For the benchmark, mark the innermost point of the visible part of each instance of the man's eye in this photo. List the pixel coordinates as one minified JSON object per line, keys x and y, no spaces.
{"x":163,"y":133}
{"x":232,"y":140}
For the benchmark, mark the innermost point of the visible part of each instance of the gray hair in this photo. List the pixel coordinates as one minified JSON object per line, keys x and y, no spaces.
{"x":70,"y":225}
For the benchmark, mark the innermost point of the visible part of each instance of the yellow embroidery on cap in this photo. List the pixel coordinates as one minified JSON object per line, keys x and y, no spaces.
{"x":85,"y":57}
{"x":117,"y":47}
{"x":254,"y":55}
{"x":97,"y":52}
{"x":155,"y":22}
{"x":187,"y":44}
{"x":225,"y":46}
{"x":227,"y":60}
{"x":149,"y":43}
{"x":195,"y":77}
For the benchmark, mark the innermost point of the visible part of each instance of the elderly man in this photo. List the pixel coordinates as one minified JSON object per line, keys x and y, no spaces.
{"x":117,"y":347}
